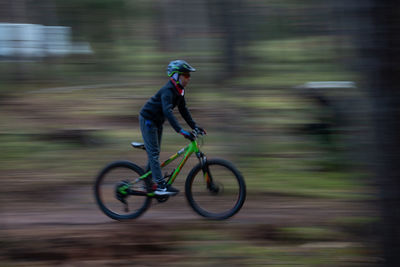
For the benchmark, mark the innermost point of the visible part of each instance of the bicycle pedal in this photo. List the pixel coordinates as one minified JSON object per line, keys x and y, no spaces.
{"x":162,"y":199}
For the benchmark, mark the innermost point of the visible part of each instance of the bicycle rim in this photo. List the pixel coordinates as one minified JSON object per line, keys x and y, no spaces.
{"x":107,"y":185}
{"x":226,"y":195}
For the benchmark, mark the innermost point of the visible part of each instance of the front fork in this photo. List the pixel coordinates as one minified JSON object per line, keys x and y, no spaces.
{"x":206,"y":172}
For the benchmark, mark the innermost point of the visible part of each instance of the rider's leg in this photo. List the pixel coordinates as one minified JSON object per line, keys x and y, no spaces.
{"x":159,"y":132}
{"x":152,"y":140}
{"x":151,"y":137}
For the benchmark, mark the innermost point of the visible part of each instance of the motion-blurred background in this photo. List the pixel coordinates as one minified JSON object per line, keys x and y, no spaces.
{"x":300,"y":95}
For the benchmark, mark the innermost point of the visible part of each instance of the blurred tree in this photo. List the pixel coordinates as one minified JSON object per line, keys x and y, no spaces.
{"x":228,"y":22}
{"x":381,"y":52}
{"x":168,"y":24}
{"x":178,"y":21}
{"x":17,"y":11}
{"x":92,"y":19}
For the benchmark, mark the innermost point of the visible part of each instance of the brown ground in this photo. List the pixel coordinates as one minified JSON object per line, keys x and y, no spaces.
{"x":72,"y":231}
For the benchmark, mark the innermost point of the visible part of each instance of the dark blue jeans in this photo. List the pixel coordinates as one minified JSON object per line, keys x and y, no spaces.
{"x":152,"y":134}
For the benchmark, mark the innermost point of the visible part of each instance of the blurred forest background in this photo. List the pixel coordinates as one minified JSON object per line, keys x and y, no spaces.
{"x":287,"y":90}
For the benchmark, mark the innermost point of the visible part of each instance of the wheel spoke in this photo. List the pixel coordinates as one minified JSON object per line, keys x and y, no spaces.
{"x":113,"y":187}
{"x":217,"y":193}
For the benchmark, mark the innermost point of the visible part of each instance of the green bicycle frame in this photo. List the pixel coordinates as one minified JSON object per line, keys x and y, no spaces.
{"x":193,"y":147}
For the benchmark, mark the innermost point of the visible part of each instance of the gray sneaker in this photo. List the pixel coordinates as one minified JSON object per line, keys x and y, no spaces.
{"x":164,"y":189}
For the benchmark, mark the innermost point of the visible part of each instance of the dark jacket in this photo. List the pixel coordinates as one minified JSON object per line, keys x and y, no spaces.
{"x":161,"y":105}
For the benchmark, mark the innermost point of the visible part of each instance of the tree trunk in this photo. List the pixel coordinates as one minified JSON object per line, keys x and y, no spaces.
{"x":382,"y":54}
{"x":225,"y":17}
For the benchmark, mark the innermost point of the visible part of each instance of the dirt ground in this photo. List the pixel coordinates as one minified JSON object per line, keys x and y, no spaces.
{"x":72,"y":231}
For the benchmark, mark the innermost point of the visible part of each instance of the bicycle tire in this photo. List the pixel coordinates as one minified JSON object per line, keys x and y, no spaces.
{"x":204,"y":201}
{"x":105,"y":190}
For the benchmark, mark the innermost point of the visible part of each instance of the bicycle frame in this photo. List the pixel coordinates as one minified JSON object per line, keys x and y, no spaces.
{"x":193,"y":147}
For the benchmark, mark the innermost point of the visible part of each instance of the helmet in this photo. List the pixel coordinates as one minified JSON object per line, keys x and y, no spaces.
{"x":178,"y":66}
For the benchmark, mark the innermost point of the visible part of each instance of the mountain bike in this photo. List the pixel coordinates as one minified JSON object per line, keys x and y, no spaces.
{"x":214,"y":188}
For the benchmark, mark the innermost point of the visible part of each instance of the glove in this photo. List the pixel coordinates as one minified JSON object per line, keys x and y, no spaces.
{"x":187,"y":134}
{"x":200,"y":130}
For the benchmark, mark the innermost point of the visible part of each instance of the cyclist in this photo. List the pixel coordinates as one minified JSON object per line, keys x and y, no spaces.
{"x":159,"y":107}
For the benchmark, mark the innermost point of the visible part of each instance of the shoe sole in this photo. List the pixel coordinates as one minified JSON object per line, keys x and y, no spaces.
{"x":165,"y":193}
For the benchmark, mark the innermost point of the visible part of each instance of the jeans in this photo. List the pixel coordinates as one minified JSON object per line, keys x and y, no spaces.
{"x":152,"y":134}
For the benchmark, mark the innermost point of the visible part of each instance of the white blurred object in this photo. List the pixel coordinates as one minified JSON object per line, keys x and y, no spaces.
{"x":327,"y":85}
{"x":57,"y":40}
{"x":36,"y":41}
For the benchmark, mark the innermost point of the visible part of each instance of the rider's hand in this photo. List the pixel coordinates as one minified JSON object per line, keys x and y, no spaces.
{"x":187,"y":134}
{"x":200,"y":130}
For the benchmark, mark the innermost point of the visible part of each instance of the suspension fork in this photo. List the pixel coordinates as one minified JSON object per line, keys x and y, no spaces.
{"x":206,"y":171}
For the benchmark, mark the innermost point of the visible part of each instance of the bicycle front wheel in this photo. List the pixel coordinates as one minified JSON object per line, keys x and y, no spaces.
{"x":216,"y":190}
{"x":119,"y":193}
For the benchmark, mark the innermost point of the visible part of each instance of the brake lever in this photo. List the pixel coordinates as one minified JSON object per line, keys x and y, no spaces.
{"x":198,"y":132}
{"x":195,"y":133}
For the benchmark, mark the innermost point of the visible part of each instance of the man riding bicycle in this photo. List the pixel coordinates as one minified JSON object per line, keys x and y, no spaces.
{"x":159,"y":107}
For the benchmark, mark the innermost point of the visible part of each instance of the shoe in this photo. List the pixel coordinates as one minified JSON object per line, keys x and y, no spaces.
{"x":163,"y":189}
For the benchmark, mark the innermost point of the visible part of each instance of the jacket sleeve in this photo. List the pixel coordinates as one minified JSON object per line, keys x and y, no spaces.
{"x":186,"y":114}
{"x":166,"y":100}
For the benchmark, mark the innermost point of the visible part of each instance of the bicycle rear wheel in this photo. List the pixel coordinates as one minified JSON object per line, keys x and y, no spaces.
{"x":119,"y":193}
{"x":217,"y":190}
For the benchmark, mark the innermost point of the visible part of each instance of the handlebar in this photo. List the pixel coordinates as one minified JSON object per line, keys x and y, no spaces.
{"x":197,"y":133}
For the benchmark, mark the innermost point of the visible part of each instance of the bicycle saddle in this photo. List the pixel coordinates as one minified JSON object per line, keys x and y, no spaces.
{"x":138,"y":145}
